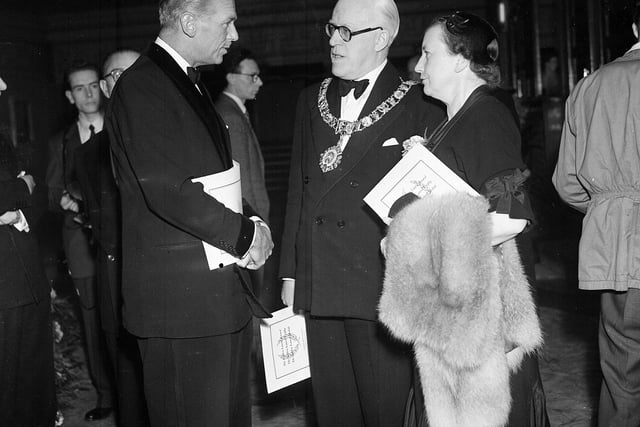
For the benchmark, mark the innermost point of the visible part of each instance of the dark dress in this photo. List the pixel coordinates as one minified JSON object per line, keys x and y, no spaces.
{"x":481,"y":143}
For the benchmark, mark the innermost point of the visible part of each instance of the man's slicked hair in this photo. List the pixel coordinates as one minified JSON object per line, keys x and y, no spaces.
{"x":636,"y":15}
{"x":169,"y":11}
{"x":390,"y":15}
{"x":76,"y":66}
{"x":233,"y":58}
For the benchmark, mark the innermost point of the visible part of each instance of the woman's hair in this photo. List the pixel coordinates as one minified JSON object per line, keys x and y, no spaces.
{"x":476,"y":40}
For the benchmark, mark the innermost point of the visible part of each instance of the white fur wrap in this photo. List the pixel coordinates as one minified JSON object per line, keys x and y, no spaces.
{"x":462,"y":304}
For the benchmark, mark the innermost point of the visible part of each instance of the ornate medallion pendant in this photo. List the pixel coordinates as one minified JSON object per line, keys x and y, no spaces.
{"x":331,"y":157}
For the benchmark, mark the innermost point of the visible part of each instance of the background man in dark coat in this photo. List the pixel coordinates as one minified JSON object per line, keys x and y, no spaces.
{"x":360,"y":375}
{"x":242,"y":74}
{"x":102,"y":204}
{"x":27,"y":389}
{"x":83,"y":92}
{"x":192,"y":323}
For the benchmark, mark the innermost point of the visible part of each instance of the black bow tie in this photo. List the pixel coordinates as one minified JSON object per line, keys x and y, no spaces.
{"x":358,"y":87}
{"x":194,"y":75}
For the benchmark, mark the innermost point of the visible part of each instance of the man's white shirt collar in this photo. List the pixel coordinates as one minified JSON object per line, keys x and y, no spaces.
{"x":372,"y":76}
{"x":237,"y":101}
{"x":635,"y":46}
{"x":83,"y":127}
{"x":174,"y":54}
{"x":350,"y":107}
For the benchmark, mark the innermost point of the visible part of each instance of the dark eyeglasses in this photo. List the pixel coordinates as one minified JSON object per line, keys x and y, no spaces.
{"x":114,"y":74}
{"x":456,"y":23}
{"x":255,"y":77}
{"x":344,"y":32}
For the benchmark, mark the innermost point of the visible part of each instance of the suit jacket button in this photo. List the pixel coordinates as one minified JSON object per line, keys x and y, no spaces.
{"x":341,"y":224}
{"x":306,"y":179}
{"x":354,"y":184}
{"x":111,"y":258}
{"x":319,"y":220}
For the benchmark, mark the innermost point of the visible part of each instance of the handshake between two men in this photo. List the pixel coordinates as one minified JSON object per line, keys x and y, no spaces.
{"x":260,"y":249}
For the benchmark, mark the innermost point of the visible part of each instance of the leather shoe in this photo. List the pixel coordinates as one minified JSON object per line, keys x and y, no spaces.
{"x":98,"y":414}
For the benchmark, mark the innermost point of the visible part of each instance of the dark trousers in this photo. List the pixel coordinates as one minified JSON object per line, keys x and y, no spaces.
{"x":27,"y":389}
{"x":98,"y":365}
{"x":619,"y":343}
{"x":360,"y":375}
{"x":198,"y":382}
{"x":127,"y":366}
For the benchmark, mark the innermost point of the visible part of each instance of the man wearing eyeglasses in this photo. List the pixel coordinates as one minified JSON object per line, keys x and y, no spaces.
{"x":102,"y":202}
{"x":83,"y":92}
{"x":348,"y":134}
{"x":242,"y":74}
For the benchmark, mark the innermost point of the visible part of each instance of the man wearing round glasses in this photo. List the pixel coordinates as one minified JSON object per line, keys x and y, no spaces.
{"x":242,"y":75}
{"x":102,"y":201}
{"x":348,"y":134}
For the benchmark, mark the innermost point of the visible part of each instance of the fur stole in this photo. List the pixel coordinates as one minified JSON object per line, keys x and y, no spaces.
{"x":465,"y":306}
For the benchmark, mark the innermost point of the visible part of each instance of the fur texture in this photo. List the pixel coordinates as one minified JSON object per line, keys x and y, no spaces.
{"x":462,"y":304}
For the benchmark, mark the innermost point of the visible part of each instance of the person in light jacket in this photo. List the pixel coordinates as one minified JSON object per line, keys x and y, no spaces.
{"x":598,"y":173}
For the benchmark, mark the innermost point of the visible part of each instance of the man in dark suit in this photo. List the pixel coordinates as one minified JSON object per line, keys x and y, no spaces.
{"x":192,"y":323}
{"x":348,"y":134}
{"x":27,"y":389}
{"x":102,"y":204}
{"x":242,"y":74}
{"x":83,"y":92}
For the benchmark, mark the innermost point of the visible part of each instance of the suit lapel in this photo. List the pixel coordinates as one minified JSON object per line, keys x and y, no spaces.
{"x":255,"y":145}
{"x":200,"y":102}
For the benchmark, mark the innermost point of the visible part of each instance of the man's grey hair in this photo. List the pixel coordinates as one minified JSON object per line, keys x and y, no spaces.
{"x":390,"y":15}
{"x":169,"y":11}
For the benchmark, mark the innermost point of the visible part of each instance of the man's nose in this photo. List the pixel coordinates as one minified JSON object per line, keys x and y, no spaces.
{"x":232,"y":33}
{"x":335,"y":38}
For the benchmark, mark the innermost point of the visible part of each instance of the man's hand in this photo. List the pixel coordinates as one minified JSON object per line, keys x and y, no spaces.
{"x":288,"y":291}
{"x":67,"y":203}
{"x":28,"y":179}
{"x":260,"y":250}
{"x":10,"y":218}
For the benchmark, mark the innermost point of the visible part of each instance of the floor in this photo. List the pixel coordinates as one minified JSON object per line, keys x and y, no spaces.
{"x":568,"y":361}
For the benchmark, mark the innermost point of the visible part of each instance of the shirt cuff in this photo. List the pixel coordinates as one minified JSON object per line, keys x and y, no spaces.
{"x":22,"y":224}
{"x":257,"y":222}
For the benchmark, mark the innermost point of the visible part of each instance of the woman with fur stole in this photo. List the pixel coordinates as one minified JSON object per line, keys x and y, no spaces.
{"x":459,"y":294}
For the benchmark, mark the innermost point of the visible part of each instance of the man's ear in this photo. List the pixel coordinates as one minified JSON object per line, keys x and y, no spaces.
{"x":188,"y":24}
{"x":634,"y":27}
{"x":229,"y":78}
{"x":382,"y":41}
{"x":104,"y":88}
{"x":67,"y":93}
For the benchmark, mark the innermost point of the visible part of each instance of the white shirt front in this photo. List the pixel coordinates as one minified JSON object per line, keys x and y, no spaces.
{"x":83,"y":127}
{"x":350,"y":107}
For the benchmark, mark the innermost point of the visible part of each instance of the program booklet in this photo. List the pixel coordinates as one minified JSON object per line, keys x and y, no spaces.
{"x":225,"y":188}
{"x":284,"y":349}
{"x":419,"y":172}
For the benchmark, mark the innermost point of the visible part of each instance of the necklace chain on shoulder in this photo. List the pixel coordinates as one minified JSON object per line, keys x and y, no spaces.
{"x":345,"y":127}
